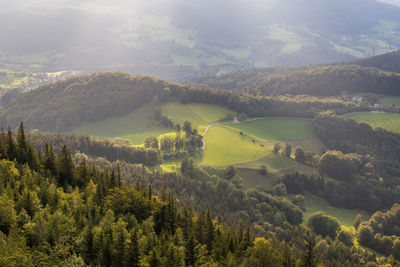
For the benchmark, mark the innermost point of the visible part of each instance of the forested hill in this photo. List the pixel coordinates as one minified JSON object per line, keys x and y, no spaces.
{"x":386,"y":62}
{"x":66,"y":104}
{"x":332,"y":80}
{"x":308,"y":80}
{"x":242,"y":79}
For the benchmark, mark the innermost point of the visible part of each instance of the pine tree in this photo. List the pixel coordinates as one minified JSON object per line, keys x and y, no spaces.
{"x":66,"y":167}
{"x":11,"y":147}
{"x":133,"y":251}
{"x":210,"y":235}
{"x":308,"y":260}
{"x":190,"y":253}
{"x":22,"y":145}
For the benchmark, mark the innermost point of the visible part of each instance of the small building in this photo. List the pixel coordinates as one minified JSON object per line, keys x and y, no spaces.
{"x":378,"y":106}
{"x":235,"y":119}
{"x":357,"y":98}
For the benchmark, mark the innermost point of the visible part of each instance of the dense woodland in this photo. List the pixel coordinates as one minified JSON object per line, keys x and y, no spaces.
{"x":56,"y":212}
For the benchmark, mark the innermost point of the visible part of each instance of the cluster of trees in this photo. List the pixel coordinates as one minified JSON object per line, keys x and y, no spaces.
{"x":341,"y":166}
{"x":164,"y":120}
{"x":331,"y":81}
{"x":99,"y":147}
{"x":382,"y":232}
{"x":176,"y":147}
{"x":358,"y":193}
{"x":350,"y":136}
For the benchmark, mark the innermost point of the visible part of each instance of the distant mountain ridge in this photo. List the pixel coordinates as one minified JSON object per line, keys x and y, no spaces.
{"x":178,"y":40}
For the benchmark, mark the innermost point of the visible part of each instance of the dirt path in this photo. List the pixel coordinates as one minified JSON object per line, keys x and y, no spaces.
{"x":204,"y":133}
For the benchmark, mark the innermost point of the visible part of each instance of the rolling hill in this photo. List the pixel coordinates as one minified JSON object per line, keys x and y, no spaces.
{"x":387,"y":62}
{"x":330,"y":80}
{"x":64,"y":105}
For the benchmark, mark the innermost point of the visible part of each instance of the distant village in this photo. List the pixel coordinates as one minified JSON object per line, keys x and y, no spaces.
{"x":34,"y":80}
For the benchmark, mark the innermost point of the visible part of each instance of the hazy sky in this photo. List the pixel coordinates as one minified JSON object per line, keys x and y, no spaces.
{"x":393,"y":2}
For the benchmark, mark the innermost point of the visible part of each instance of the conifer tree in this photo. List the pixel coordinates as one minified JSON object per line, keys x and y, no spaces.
{"x":11,"y":147}
{"x":65,"y":167}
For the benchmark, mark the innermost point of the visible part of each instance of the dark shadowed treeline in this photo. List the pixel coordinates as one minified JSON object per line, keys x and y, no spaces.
{"x":98,"y":147}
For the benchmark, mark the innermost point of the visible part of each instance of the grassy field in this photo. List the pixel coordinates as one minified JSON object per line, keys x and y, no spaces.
{"x":296,"y":132}
{"x":200,"y":115}
{"x":344,"y":216}
{"x":391,"y":101}
{"x":277,"y":128}
{"x":135,"y":126}
{"x":226,"y":146}
{"x":388,"y":121}
{"x":139,"y":124}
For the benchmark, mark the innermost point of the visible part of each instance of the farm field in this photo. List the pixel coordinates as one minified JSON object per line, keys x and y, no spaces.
{"x":388,"y":121}
{"x":226,"y":146}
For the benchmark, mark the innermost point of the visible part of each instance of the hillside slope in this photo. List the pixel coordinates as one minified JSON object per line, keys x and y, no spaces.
{"x":310,"y":80}
{"x":331,"y":80}
{"x":386,"y":62}
{"x":65,"y":105}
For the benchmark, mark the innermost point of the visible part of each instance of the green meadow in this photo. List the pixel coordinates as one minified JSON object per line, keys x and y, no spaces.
{"x":344,"y":216}
{"x":388,"y":121}
{"x":226,"y":146}
{"x":277,"y":128}
{"x":295,"y":131}
{"x":200,"y":115}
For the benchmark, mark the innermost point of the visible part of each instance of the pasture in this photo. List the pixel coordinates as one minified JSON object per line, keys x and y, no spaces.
{"x":388,"y":121}
{"x":226,"y":146}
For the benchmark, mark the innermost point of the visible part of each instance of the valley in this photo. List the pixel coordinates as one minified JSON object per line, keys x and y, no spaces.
{"x":211,"y":133}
